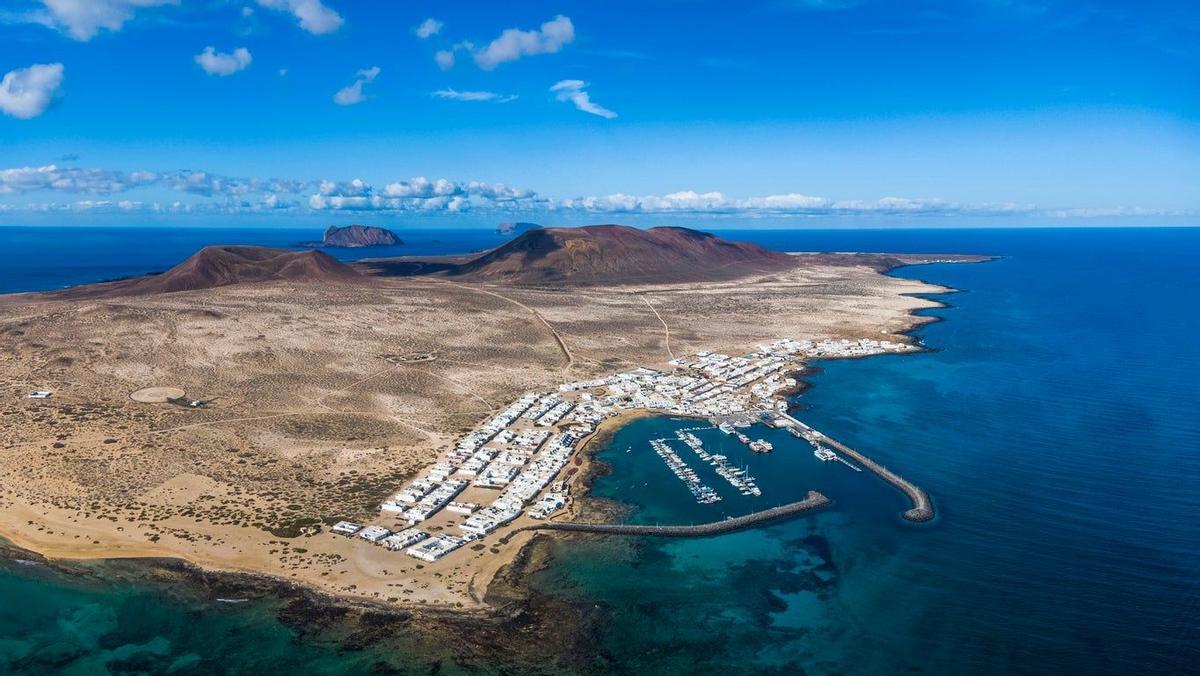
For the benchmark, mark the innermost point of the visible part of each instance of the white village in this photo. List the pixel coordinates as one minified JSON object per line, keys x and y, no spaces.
{"x":511,"y":464}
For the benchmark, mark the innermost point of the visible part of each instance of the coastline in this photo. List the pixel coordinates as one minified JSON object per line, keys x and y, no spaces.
{"x":496,"y":588}
{"x":520,"y":628}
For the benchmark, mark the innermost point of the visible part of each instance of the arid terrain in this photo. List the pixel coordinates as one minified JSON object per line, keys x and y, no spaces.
{"x":320,"y":398}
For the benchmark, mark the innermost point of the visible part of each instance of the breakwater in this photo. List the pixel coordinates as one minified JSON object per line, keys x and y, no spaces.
{"x":922,"y":509}
{"x":812,"y":501}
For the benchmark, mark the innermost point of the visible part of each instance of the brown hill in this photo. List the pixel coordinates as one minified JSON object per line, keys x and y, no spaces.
{"x":215,"y":266}
{"x":603,"y":254}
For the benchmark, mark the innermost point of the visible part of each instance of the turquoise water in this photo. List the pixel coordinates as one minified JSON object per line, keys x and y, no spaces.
{"x":1054,"y":423}
{"x":52,"y":623}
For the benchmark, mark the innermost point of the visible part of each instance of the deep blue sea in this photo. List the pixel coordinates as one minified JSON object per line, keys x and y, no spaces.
{"x":1054,"y":421}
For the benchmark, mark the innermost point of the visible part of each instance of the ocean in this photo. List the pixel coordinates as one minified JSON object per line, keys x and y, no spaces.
{"x":1053,"y":420}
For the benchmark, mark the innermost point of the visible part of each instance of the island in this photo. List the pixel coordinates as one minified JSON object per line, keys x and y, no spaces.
{"x":394,"y":435}
{"x":356,"y":237}
{"x":515,"y":228}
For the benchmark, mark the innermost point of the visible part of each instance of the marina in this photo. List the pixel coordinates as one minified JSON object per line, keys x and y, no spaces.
{"x":737,"y":477}
{"x":703,"y":494}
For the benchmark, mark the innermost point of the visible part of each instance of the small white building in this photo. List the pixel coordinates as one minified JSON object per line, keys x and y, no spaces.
{"x":405,"y":538}
{"x":40,"y":394}
{"x":435,"y":547}
{"x":462,"y":507}
{"x":374,"y":533}
{"x":346,"y":528}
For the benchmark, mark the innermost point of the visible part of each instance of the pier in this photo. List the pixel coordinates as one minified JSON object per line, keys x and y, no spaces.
{"x":813,"y":501}
{"x":922,"y":509}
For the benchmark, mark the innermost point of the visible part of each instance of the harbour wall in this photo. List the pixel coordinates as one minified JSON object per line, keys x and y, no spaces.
{"x":813,"y":501}
{"x":922,"y":509}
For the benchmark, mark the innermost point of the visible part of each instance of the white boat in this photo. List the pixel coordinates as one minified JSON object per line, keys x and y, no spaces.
{"x":761,"y":446}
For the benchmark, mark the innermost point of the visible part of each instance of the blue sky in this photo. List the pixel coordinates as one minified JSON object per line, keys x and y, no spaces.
{"x":771,"y":113}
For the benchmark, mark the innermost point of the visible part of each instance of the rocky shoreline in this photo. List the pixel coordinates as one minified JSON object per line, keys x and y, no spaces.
{"x":522,"y":629}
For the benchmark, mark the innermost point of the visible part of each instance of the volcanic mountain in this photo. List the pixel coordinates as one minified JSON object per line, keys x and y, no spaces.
{"x":215,"y":266}
{"x":603,"y":254}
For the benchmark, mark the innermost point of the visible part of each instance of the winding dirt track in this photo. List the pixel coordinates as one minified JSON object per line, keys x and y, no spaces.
{"x":562,"y":346}
{"x":666,"y":328}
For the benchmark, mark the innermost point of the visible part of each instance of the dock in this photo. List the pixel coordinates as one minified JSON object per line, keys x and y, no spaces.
{"x":842,"y":460}
{"x":922,"y":509}
{"x":812,"y":502}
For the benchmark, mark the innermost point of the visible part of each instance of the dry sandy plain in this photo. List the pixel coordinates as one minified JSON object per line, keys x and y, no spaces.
{"x":324,"y":399}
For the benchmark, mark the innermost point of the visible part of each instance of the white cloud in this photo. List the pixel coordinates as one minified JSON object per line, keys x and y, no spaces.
{"x":313,"y":15}
{"x":790,"y":201}
{"x":421,"y":187}
{"x":457,"y":95}
{"x":83,"y":19}
{"x":573,"y":91}
{"x":515,"y":43}
{"x":215,"y":193}
{"x":428,"y":28}
{"x":445,"y":59}
{"x":421,"y":194}
{"x":353,"y":93}
{"x":97,"y":181}
{"x":690,"y":201}
{"x":19,"y":180}
{"x":26,"y":92}
{"x":218,"y":63}
{"x":353,"y":188}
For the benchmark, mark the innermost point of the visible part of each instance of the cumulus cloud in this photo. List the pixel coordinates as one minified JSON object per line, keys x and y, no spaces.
{"x":210,"y":192}
{"x":420,"y":194}
{"x":575,"y":92}
{"x":444,"y":59}
{"x":353,"y":93}
{"x":83,"y":19}
{"x":456,"y":95}
{"x":208,"y":185}
{"x":515,"y":43}
{"x":313,"y":15}
{"x":428,"y":28}
{"x":690,"y":201}
{"x":99,"y":181}
{"x":27,"y":92}
{"x":219,"y":63}
{"x":354,"y":188}
{"x":19,"y":180}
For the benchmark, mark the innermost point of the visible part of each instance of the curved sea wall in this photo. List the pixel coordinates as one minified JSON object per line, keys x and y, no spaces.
{"x":922,"y":509}
{"x":813,"y":501}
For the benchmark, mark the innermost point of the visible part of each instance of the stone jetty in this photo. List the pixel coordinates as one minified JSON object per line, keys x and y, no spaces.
{"x":922,"y":509}
{"x":813,"y":501}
